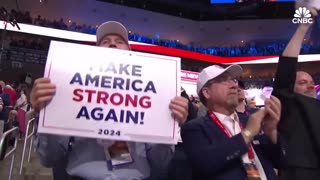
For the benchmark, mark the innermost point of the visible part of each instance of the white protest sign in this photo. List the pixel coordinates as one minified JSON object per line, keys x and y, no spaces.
{"x":111,"y":94}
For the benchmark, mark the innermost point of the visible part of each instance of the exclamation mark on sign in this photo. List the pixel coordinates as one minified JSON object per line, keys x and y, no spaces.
{"x":142,"y":117}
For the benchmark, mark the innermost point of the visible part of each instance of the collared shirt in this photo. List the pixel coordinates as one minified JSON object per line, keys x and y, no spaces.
{"x":231,"y":123}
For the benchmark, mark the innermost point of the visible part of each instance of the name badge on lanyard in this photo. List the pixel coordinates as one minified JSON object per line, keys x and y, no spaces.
{"x":118,"y":154}
{"x":251,"y":168}
{"x":252,"y":171}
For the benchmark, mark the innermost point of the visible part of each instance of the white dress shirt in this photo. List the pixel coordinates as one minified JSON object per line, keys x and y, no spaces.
{"x":232,"y":124}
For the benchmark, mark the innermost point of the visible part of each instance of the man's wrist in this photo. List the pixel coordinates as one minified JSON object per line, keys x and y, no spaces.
{"x":272,"y":135}
{"x":247,"y":135}
{"x":269,"y":131}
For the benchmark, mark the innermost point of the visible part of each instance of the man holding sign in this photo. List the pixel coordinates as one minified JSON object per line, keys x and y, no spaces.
{"x":85,"y":158}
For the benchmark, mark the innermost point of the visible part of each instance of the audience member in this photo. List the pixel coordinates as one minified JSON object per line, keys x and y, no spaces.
{"x":299,"y":124}
{"x":243,"y":109}
{"x":219,"y":145}
{"x":21,"y":106}
{"x":86,"y":158}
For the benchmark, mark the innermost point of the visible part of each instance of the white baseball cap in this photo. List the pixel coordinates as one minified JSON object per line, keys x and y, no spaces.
{"x":213,"y":71}
{"x":112,"y":27}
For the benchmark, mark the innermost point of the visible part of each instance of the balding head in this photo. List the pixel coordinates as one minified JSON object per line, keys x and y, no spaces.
{"x":304,"y":84}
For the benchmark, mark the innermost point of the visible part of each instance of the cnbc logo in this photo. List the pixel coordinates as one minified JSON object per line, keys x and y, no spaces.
{"x":302,"y":15}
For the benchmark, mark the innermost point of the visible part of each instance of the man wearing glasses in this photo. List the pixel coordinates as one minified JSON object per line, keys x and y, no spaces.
{"x":219,"y":145}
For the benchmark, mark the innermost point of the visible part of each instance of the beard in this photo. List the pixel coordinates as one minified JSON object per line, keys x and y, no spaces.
{"x":232,"y":101}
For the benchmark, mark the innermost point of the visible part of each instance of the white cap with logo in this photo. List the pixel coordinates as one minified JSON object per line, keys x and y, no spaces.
{"x":214,"y":71}
{"x":112,"y":27}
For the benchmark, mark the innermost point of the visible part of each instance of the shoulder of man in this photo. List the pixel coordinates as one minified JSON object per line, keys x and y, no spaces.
{"x":194,"y":123}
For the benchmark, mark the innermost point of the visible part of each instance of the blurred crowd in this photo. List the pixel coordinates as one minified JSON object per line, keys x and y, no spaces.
{"x":29,"y":43}
{"x":14,"y":105}
{"x":42,"y":45}
{"x":244,"y":49}
{"x":257,"y":82}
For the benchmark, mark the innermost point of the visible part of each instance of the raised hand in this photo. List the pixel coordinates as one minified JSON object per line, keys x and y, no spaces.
{"x":272,"y":118}
{"x":42,"y":93}
{"x":179,"y":109}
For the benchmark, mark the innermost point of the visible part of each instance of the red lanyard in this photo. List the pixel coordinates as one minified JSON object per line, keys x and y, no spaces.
{"x":228,"y":134}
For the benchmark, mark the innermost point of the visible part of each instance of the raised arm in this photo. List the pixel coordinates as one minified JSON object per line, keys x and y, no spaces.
{"x":294,"y":46}
{"x":286,"y":70}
